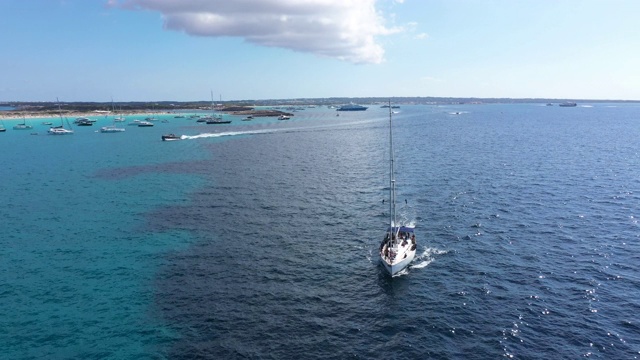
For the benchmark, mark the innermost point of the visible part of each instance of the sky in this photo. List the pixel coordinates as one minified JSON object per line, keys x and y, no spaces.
{"x":182,"y":50}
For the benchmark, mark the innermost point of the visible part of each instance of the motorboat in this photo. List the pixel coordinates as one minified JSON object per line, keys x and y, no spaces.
{"x":111,"y":129}
{"x":218,"y":121}
{"x":59,"y":130}
{"x":171,"y":137}
{"x":84,"y":122}
{"x":568,"y":104}
{"x":352,"y":107}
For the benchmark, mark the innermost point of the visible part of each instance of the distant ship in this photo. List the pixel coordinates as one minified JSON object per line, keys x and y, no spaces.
{"x":568,"y":104}
{"x":352,"y":107}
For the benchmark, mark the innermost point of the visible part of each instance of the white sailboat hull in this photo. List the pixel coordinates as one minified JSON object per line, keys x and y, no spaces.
{"x":400,"y":262}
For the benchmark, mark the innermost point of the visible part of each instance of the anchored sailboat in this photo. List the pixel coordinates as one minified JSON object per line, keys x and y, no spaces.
{"x":60,"y":130}
{"x":112,"y":128}
{"x":213,"y":118}
{"x":398,"y":248}
{"x":23,"y":126}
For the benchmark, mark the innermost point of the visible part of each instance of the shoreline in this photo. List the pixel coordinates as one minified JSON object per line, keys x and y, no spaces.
{"x":13,"y":115}
{"x":34,"y":115}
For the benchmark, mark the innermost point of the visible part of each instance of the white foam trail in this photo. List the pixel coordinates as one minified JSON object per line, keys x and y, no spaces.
{"x":221,"y":134}
{"x":426,"y":258}
{"x":421,"y":264}
{"x":270,"y":131}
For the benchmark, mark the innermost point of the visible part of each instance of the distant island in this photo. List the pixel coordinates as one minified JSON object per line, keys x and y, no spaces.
{"x":76,"y":109}
{"x":270,"y":107}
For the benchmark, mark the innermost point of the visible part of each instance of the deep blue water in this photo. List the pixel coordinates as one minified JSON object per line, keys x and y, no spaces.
{"x":259,"y":239}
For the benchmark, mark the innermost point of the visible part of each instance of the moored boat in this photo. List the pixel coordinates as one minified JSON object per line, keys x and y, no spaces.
{"x":84,"y":122}
{"x":568,"y":104}
{"x":213,"y":119}
{"x":60,"y":130}
{"x":22,"y":126}
{"x":218,"y":121}
{"x":111,"y":129}
{"x":352,"y":107}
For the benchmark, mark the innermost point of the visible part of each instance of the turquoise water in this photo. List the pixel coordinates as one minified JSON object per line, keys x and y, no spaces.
{"x":258,"y":239}
{"x":77,"y":261}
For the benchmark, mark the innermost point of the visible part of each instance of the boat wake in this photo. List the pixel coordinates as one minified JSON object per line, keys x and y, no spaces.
{"x":270,"y":131}
{"x":228,"y":133}
{"x":426,"y":258}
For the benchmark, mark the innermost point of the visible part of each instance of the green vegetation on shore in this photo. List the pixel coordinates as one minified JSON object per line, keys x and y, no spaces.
{"x":247,"y":106}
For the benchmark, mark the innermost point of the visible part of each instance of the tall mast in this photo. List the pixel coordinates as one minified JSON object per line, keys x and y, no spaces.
{"x":392,"y":180}
{"x":211,"y":103}
{"x":60,"y":112}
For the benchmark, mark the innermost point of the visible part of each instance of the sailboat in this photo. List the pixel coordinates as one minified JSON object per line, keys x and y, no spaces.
{"x":118,"y":118}
{"x":2,"y":128}
{"x":152,"y":117}
{"x":213,"y":118}
{"x":398,"y":248}
{"x":60,"y":130}
{"x":22,"y":126}
{"x":112,"y":128}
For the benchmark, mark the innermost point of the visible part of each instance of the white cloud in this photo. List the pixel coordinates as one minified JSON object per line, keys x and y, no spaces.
{"x":342,"y":29}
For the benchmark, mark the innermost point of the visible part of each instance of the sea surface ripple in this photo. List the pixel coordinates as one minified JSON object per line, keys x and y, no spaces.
{"x":258,"y":240}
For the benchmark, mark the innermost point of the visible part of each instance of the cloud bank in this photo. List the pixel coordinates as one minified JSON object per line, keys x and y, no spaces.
{"x":341,"y":29}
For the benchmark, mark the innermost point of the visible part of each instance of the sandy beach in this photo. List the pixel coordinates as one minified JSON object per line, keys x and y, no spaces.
{"x":34,"y":115}
{"x":71,"y":115}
